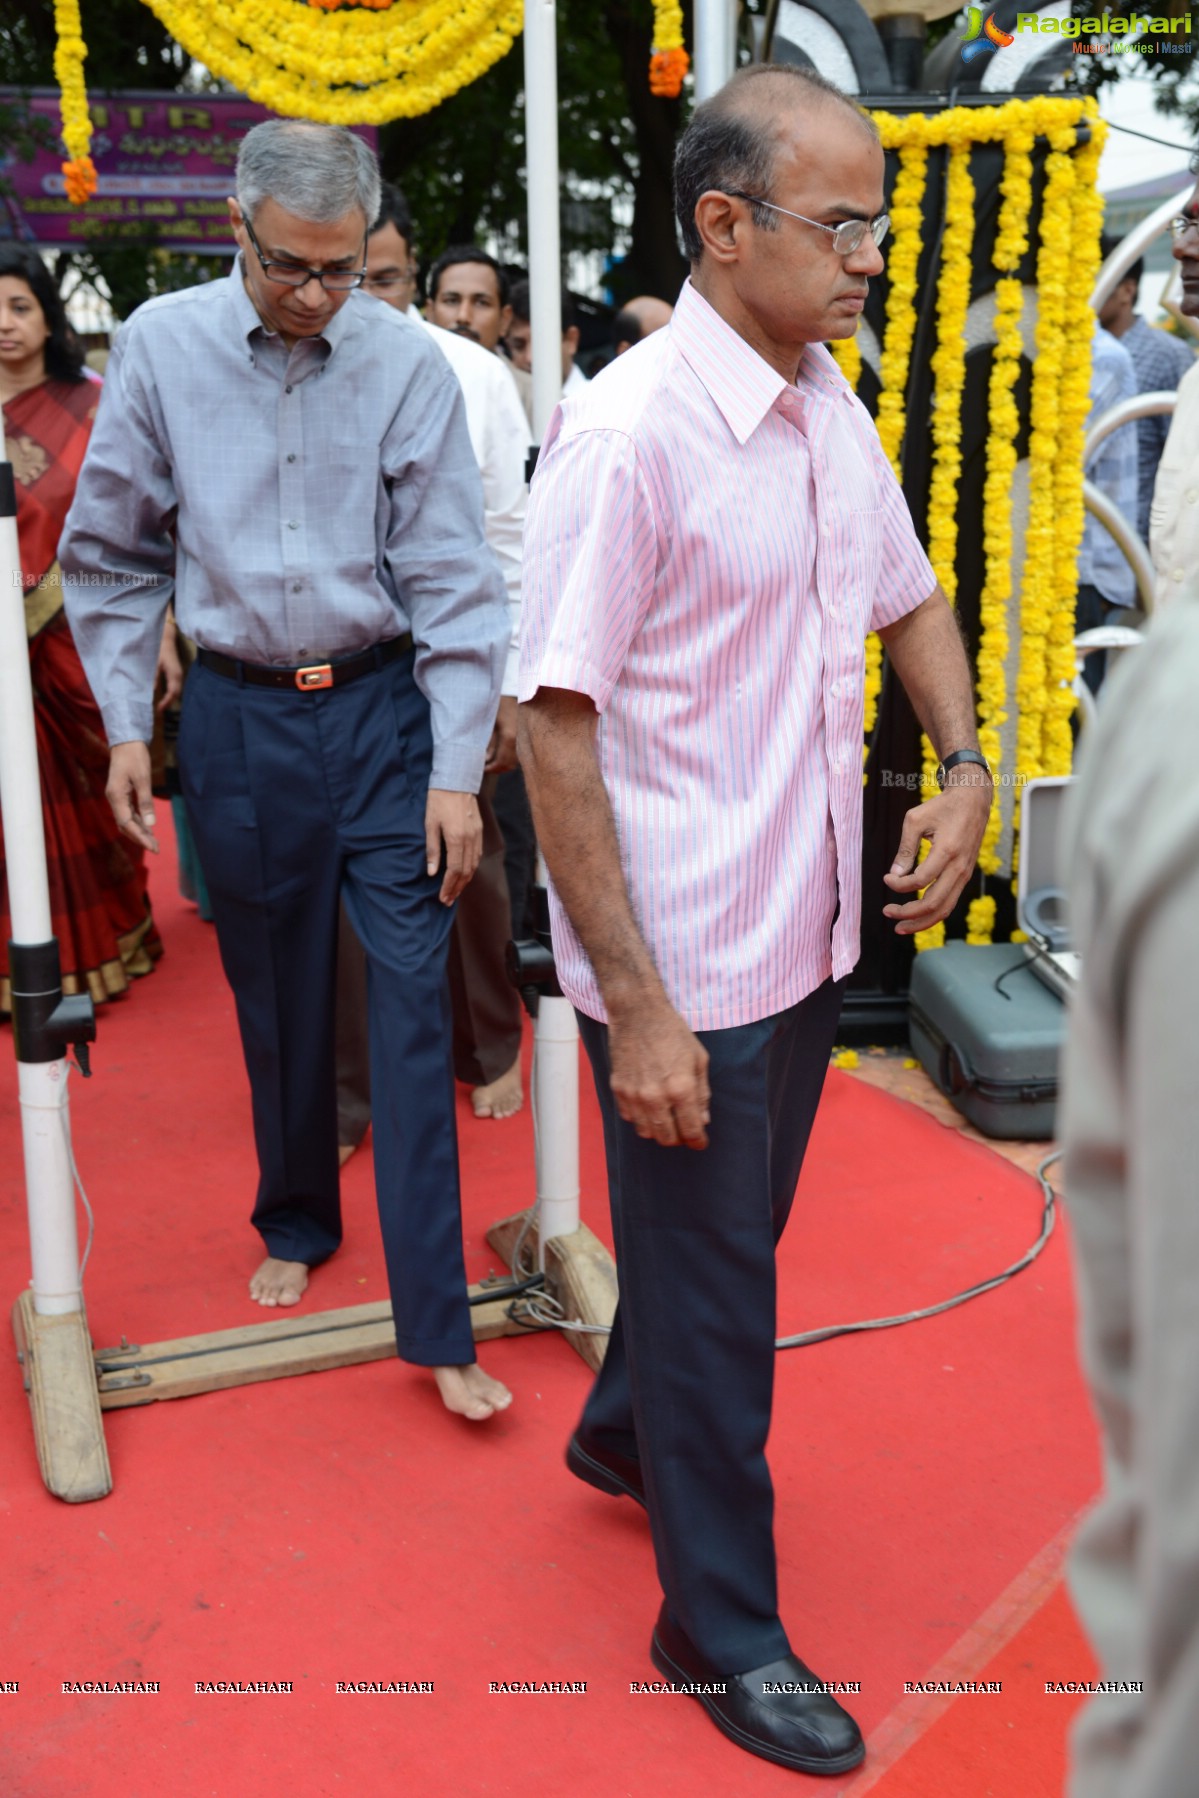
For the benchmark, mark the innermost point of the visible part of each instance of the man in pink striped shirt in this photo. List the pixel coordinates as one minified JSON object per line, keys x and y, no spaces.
{"x":713,"y":529}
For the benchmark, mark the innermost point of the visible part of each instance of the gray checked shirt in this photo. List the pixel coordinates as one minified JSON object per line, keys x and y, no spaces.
{"x":300,"y":506}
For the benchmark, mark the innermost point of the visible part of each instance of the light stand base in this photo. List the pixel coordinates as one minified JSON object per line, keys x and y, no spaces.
{"x":60,"y":1377}
{"x":579,"y":1272}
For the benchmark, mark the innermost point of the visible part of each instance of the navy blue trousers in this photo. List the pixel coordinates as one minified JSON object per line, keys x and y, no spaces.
{"x":294,"y":799}
{"x":687,"y":1382}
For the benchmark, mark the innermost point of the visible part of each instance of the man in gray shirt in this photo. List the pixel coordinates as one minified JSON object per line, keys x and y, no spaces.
{"x":291,"y":462}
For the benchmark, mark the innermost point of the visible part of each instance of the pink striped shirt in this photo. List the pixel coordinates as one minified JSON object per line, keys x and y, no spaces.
{"x":706,"y":548}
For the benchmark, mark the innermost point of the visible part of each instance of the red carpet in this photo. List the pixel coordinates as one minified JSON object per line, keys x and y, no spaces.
{"x":341,"y":1527}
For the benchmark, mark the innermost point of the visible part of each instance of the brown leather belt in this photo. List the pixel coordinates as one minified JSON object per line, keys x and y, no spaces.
{"x":314,"y":677}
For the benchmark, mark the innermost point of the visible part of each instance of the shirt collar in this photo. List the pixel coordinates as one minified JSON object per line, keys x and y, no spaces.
{"x":741,"y":384}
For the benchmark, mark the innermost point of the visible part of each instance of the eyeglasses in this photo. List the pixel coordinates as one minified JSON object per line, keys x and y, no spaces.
{"x":1181,"y":225}
{"x":404,"y":277}
{"x":847,"y":237}
{"x":292,"y":274}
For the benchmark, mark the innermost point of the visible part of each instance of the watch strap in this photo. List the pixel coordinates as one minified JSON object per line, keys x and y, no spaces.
{"x":956,"y":759}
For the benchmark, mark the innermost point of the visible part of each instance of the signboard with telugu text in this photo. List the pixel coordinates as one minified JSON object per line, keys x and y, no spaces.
{"x":164,"y":167}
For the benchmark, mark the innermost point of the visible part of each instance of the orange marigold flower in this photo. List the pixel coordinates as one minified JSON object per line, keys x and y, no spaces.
{"x":666,"y":71}
{"x":80,"y":175}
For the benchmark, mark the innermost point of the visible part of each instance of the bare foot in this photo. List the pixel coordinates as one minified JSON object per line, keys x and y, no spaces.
{"x":469,"y":1392}
{"x":344,"y":1151}
{"x":503,"y":1098}
{"x":279,"y":1282}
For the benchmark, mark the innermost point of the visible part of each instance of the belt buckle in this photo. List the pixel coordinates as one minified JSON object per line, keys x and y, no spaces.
{"x":320,"y":674}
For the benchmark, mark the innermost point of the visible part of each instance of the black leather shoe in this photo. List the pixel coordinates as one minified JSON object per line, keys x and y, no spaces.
{"x":604,"y":1470}
{"x":804,"y":1729}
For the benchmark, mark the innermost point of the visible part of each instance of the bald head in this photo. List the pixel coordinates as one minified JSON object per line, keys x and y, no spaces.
{"x":732,"y":138}
{"x":651,"y":314}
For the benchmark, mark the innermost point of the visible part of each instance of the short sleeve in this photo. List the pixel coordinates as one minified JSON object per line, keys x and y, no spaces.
{"x":906,"y":576}
{"x":590,"y":556}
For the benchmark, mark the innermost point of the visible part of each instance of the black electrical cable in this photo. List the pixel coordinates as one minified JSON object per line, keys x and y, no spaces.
{"x":1048,"y":1213}
{"x":490,"y":1295}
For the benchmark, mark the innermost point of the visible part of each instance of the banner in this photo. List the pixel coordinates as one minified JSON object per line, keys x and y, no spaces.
{"x":164,"y":163}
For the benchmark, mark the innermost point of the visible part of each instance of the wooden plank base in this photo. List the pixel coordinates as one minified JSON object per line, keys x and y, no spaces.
{"x":55,"y":1354}
{"x":139,"y":1374}
{"x":579,"y":1272}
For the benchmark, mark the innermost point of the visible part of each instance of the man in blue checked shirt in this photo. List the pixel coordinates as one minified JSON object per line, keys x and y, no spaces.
{"x":290,"y":461}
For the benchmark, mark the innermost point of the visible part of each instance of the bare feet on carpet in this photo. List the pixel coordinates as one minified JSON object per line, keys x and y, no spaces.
{"x":503,"y":1098}
{"x":469,"y":1392}
{"x":279,"y":1282}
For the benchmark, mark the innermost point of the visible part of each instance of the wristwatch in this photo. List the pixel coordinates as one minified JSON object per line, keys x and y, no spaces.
{"x":956,"y":759}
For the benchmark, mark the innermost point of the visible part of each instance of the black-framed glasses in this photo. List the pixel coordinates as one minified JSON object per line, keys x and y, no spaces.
{"x":847,"y":237}
{"x":293,"y":274}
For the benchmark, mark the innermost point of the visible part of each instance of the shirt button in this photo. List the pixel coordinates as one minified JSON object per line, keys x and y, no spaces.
{"x":1192,"y":495}
{"x":1177,"y":575}
{"x":287,"y":389}
{"x":297,"y":586}
{"x":291,"y":458}
{"x":292,"y":525}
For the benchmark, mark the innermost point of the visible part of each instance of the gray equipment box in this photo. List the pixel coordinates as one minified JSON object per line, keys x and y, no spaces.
{"x":988,"y":1032}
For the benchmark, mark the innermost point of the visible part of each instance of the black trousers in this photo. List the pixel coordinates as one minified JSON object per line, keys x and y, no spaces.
{"x":484,"y":1004}
{"x":688,"y":1379}
{"x":296,"y":799}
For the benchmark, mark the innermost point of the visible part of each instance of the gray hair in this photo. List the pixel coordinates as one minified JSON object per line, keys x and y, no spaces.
{"x":319,"y":173}
{"x":732,"y":138}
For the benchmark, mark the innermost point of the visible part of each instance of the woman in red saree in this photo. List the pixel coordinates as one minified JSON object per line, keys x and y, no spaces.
{"x":98,"y":900}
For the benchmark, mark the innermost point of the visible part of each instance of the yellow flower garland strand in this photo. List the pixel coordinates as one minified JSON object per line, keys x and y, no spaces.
{"x":1074,"y":405}
{"x":69,"y":54}
{"x":1011,"y":245}
{"x":351,"y":66}
{"x":949,"y":377}
{"x":669,"y":62}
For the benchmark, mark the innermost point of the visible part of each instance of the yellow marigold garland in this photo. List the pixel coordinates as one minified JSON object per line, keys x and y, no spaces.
{"x":1059,"y":408}
{"x":980,"y":919}
{"x":1074,"y":405}
{"x":669,"y":62}
{"x":903,"y":261}
{"x":69,"y":54}
{"x":1011,"y":244}
{"x":351,"y":66}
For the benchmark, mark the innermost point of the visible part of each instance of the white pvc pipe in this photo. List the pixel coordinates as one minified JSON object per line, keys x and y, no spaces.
{"x":556,"y":1102}
{"x":49,"y":1188}
{"x":545,"y":252}
{"x":715,"y":45}
{"x":53,"y":1239}
{"x":20,"y":785}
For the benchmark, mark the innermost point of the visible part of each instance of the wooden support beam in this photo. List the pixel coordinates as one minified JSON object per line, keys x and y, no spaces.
{"x":579,"y":1272}
{"x":139,"y":1374}
{"x":55,"y":1354}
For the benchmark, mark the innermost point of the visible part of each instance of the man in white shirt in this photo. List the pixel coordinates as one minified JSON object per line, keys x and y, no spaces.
{"x":486,"y":1007}
{"x":519,"y":338}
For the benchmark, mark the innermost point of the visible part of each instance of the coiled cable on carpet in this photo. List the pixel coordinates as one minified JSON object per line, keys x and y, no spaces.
{"x":1048,"y":1215}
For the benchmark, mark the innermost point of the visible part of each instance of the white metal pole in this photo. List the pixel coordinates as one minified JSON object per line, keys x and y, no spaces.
{"x":42,"y":1085}
{"x":545,"y":251}
{"x":556,"y":1034}
{"x":715,"y":45}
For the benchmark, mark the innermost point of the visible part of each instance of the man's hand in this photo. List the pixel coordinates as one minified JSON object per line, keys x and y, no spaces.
{"x":455,"y":819}
{"x":659,"y":1074}
{"x":953,"y":822}
{"x":129,"y":793}
{"x":170,"y":668}
{"x":501,"y":751}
